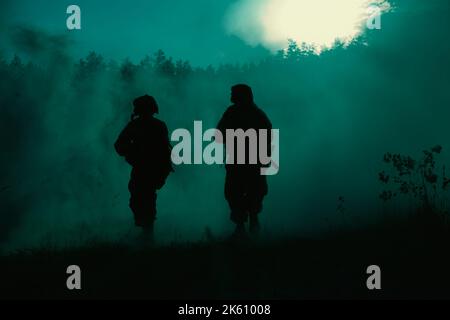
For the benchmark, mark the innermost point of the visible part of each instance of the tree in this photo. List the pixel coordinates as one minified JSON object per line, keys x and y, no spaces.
{"x":182,"y":68}
{"x":128,"y":70}
{"x":16,"y":67}
{"x":146,"y":63}
{"x":92,"y":64}
{"x":163,"y":65}
{"x":293,"y":51}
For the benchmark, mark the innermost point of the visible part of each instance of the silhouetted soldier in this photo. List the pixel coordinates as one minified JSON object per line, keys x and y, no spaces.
{"x":146,"y":147}
{"x":245,"y":187}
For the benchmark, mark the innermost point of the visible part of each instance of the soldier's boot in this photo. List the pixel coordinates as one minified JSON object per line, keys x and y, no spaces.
{"x":254,"y":225}
{"x":239,"y":233}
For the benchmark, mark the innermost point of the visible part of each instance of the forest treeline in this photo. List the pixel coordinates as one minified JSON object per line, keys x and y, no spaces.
{"x":158,"y":63}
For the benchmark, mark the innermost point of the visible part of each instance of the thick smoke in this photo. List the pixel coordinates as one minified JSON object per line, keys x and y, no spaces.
{"x":318,"y":24}
{"x":338,"y":113}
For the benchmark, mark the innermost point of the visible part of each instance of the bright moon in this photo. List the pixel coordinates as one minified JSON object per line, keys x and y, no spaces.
{"x":317,"y":23}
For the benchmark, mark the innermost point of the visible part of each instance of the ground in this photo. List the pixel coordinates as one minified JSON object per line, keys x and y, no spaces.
{"x":412,"y":254}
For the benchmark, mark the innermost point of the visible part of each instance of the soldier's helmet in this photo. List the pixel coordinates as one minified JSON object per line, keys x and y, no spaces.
{"x":242,"y":94}
{"x":145,"y":105}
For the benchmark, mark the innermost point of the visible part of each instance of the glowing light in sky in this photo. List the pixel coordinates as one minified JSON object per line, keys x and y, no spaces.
{"x":318,"y":23}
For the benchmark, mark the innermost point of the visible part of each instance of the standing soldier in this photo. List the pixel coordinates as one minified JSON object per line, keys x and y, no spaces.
{"x":245,"y":187}
{"x":146,"y":147}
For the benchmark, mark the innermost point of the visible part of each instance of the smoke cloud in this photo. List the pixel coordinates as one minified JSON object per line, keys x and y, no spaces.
{"x":318,"y":23}
{"x":338,"y":113}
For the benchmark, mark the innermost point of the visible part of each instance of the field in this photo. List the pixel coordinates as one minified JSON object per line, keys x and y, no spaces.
{"x":412,"y":254}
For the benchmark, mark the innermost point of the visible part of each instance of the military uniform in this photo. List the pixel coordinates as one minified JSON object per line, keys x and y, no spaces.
{"x":145,"y":145}
{"x":245,"y":187}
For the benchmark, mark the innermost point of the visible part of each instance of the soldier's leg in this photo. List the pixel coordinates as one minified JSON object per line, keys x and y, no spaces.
{"x":235,"y":195}
{"x":148,"y":215}
{"x":142,"y":203}
{"x":149,"y":210}
{"x":255,"y":198}
{"x":136,"y":201}
{"x":254,"y":211}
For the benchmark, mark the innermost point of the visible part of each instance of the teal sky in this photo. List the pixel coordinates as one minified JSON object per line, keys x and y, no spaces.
{"x":131,"y":29}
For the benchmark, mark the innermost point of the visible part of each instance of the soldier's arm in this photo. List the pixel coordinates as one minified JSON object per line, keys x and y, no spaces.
{"x":123,"y":142}
{"x":166,"y":134}
{"x":221,"y":128}
{"x":168,"y":147}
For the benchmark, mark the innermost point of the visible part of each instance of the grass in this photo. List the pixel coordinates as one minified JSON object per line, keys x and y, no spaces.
{"x":412,"y":253}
